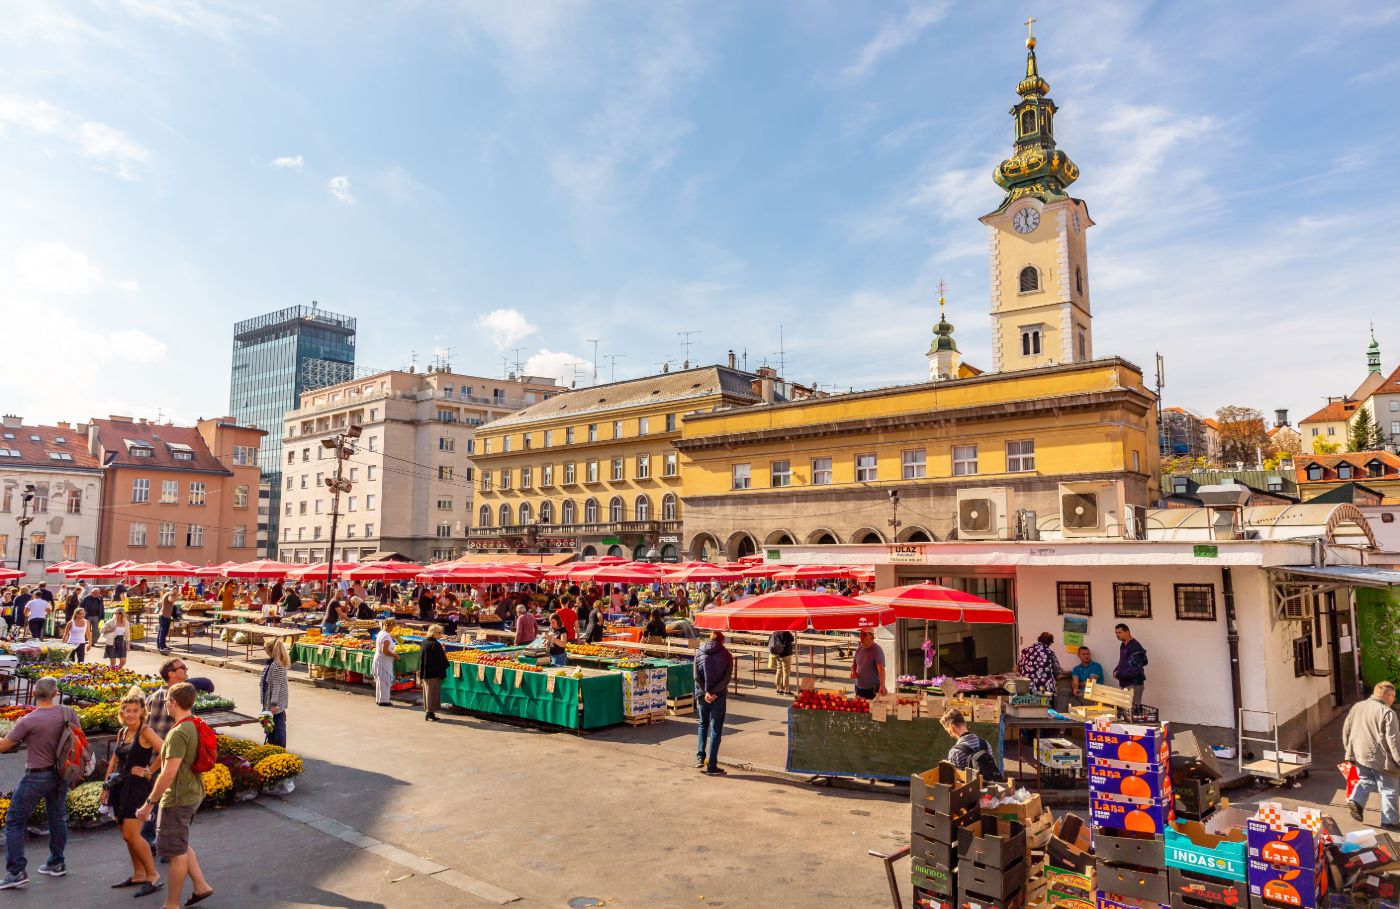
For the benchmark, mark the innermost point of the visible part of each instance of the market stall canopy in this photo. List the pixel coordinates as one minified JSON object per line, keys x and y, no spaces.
{"x":56,"y":567}
{"x":935,"y":603}
{"x":214,"y":571}
{"x":384,"y":555}
{"x":814,"y":572}
{"x":477,"y":574}
{"x":260,"y":568}
{"x":700,"y":573}
{"x":384,"y":571}
{"x":113,"y":570}
{"x":621,"y":573}
{"x":795,"y":610}
{"x":317,"y":570}
{"x":763,"y":571}
{"x":159,"y":570}
{"x":74,"y":567}
{"x":9,"y":574}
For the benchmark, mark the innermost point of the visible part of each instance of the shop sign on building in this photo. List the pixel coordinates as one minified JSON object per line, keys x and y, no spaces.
{"x":906,"y":553}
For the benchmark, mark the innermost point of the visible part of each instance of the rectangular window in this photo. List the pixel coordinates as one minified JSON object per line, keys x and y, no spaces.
{"x":373,"y":443}
{"x":167,"y":533}
{"x":290,"y":480}
{"x":140,"y":490}
{"x":643,"y":467}
{"x":288,"y":509}
{"x":670,"y":464}
{"x":914,"y":464}
{"x":670,"y":422}
{"x":1395,"y":405}
{"x":1302,"y":656}
{"x":617,"y":429}
{"x":505,"y":444}
{"x":547,"y":475}
{"x":240,"y":536}
{"x":867,"y":468}
{"x":591,"y":472}
{"x":592,"y":432}
{"x":447,"y":443}
{"x":444,"y":504}
{"x":136,"y":536}
{"x":169,"y":492}
{"x":303,"y":481}
{"x":369,"y":530}
{"x":525,"y":440}
{"x":301,"y":506}
{"x":291,"y":457}
{"x":1132,"y":601}
{"x":780,"y":473}
{"x":36,"y":543}
{"x":618,"y":470}
{"x":75,"y":501}
{"x":568,"y":435}
{"x":445,"y":472}
{"x":569,"y":473}
{"x":41,"y":500}
{"x":548,"y":438}
{"x":1074,"y":598}
{"x":821,"y":471}
{"x":1020,"y":455}
{"x":194,"y":535}
{"x":240,"y":496}
{"x":369,"y":472}
{"x":1195,"y":602}
{"x":505,"y":478}
{"x":198,"y":493}
{"x":444,"y":530}
{"x":244,"y":455}
{"x":70,"y":548}
{"x":1394,"y":426}
{"x":964,"y":460}
{"x":317,"y":506}
{"x":369,"y":503}
{"x":741,"y":476}
{"x":642,"y":425}
{"x":527,"y":477}
{"x":352,"y":503}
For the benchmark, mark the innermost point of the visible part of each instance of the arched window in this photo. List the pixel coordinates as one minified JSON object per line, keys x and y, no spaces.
{"x":1078,"y":280}
{"x":615,"y":510}
{"x":1030,"y":343}
{"x":525,"y":513}
{"x":484,"y":516}
{"x":590,"y":511}
{"x":641,"y":510}
{"x":1030,"y":279}
{"x":1027,"y":121}
{"x":668,"y":507}
{"x":546,"y":512}
{"x":1083,"y":345}
{"x":505,"y":516}
{"x":568,"y":513}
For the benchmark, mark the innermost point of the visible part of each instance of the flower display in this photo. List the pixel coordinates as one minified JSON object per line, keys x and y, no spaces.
{"x":218,"y":782}
{"x":244,"y":776}
{"x":83,"y":802}
{"x":100,"y":717}
{"x":277,"y":767}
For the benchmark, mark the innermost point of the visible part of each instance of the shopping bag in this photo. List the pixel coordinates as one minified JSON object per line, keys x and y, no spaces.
{"x":1348,"y":770}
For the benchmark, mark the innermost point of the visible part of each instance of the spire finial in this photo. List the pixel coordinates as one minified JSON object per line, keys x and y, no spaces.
{"x":1030,"y":36}
{"x":942,"y":292}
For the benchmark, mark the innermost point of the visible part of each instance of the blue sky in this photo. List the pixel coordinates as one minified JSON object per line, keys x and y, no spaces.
{"x":492,"y":176}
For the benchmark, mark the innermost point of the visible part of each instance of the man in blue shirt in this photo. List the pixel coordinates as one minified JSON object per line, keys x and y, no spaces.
{"x":1132,"y":663}
{"x":1081,"y":674}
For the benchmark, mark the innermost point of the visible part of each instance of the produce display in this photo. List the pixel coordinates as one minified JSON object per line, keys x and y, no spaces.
{"x":489,"y":659}
{"x":592,"y":650}
{"x":314,"y":637}
{"x":105,"y":684}
{"x":823,"y":700}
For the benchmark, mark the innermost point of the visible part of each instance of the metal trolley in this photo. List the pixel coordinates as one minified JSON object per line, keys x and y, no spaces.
{"x":1276,"y":766}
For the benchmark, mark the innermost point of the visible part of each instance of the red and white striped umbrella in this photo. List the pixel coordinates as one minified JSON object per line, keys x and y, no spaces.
{"x":213,"y":571}
{"x":317,"y":570}
{"x":626,"y":573}
{"x":702,"y":572}
{"x":260,"y":568}
{"x":57,"y":567}
{"x":476,"y":574}
{"x":935,"y":603}
{"x":111,"y":570}
{"x":384,"y":571}
{"x":159,"y":570}
{"x":795,"y":610}
{"x":9,"y":574}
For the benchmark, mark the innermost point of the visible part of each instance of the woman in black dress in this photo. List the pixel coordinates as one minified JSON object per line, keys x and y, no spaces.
{"x":134,"y":761}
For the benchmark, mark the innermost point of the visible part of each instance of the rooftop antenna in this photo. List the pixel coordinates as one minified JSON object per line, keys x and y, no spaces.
{"x":664,"y":365}
{"x":686,"y":343}
{"x":612,"y":365}
{"x":578,"y":371}
{"x":517,"y":351}
{"x":444,"y":359}
{"x":594,"y":342}
{"x":746,"y":359}
{"x":412,"y":359}
{"x":782,"y":358}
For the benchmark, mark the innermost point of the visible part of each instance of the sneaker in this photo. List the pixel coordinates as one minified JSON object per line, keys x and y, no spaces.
{"x":14,"y":880}
{"x":700,"y":763}
{"x":716,"y":771}
{"x":1355,"y":810}
{"x":56,"y":869}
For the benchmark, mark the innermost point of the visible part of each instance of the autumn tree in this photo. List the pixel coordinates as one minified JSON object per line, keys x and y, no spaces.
{"x":1322,"y":446}
{"x":1242,"y":433}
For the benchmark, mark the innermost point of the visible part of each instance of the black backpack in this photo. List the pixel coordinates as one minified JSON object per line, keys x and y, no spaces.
{"x":977,"y":755}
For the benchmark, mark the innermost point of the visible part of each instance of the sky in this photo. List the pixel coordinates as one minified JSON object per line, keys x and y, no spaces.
{"x":493,"y":182}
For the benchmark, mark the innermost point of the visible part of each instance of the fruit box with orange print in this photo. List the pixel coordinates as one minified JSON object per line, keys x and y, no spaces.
{"x":1289,"y":888}
{"x":1130,"y":743}
{"x":1114,"y":778}
{"x":1151,"y":817}
{"x":1295,"y":847}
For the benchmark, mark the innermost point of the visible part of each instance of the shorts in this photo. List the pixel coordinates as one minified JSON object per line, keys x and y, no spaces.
{"x":173,"y":829}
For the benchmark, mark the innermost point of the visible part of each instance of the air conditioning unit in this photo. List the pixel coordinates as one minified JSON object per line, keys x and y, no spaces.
{"x":985,"y":514}
{"x":1092,"y":509}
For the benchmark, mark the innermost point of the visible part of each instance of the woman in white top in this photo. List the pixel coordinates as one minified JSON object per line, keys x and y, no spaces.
{"x":36,"y":613}
{"x":383,"y":665}
{"x":116,"y":631}
{"x":78,"y":632}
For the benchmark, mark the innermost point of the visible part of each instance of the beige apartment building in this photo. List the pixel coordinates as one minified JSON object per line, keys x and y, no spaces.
{"x":58,"y":522}
{"x":411,"y":471}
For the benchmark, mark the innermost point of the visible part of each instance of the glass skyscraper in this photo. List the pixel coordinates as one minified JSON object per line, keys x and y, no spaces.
{"x":276,"y":357}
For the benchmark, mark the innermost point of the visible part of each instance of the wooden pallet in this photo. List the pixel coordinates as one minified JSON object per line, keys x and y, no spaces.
{"x":647,"y":720}
{"x":681,"y":706}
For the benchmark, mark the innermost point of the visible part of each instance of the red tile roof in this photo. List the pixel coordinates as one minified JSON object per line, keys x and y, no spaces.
{"x":1334,"y":412}
{"x":1357,"y":459}
{"x":36,"y":443}
{"x":119,"y":437}
{"x":1391,"y":386}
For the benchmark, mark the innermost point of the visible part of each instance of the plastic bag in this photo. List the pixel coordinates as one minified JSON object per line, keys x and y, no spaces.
{"x":1348,"y":771}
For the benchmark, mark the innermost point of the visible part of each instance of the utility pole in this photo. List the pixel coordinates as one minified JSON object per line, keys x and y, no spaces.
{"x":343,"y":444}
{"x":894,"y":521}
{"x":24,"y":521}
{"x":594,"y":342}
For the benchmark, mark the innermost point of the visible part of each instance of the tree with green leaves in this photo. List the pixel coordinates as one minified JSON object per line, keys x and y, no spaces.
{"x":1322,"y":446}
{"x":1364,"y":434}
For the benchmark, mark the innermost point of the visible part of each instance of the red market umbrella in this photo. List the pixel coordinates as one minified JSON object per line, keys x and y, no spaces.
{"x":74,"y":567}
{"x":159,"y":570}
{"x":259,"y":568}
{"x":317,"y":570}
{"x":476,"y":574}
{"x":113,"y":570}
{"x":935,"y":603}
{"x":763,"y":571}
{"x":384,"y":571}
{"x":9,"y":574}
{"x":56,"y":567}
{"x":795,"y":610}
{"x":214,"y":571}
{"x":702,"y":572}
{"x":813,"y":573}
{"x":624,"y":573}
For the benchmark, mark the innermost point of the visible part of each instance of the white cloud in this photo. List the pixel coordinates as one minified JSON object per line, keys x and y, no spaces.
{"x":113,"y":150}
{"x":558,"y":365}
{"x":895,"y":34}
{"x":216,"y":18}
{"x":289,"y":162}
{"x":55,"y":268}
{"x":506,"y":326}
{"x":340,"y":188}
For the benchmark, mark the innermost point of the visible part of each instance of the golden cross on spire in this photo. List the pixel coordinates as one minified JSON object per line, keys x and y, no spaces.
{"x":1030,"y":21}
{"x":942,"y":291}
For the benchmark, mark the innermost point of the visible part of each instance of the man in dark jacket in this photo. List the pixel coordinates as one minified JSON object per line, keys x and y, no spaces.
{"x":713,"y":666}
{"x":1131,"y":671}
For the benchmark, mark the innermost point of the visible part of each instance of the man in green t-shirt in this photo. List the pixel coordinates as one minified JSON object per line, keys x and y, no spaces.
{"x":179,"y":791}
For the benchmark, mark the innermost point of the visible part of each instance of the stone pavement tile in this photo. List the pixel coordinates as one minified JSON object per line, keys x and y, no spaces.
{"x":489,"y":892}
{"x":407,"y":859}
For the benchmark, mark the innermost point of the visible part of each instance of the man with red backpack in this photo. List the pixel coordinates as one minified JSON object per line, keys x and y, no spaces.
{"x":189,"y":750}
{"x":44,"y":732}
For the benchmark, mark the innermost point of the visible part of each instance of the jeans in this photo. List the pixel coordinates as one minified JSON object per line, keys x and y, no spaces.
{"x":278,"y":735}
{"x":35,"y":785}
{"x":330,"y":628}
{"x":559,"y":659}
{"x":162,"y":631}
{"x":36,"y":628}
{"x":711,"y":728}
{"x":1387,"y":785}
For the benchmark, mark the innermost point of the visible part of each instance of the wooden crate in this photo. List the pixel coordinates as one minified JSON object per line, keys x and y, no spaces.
{"x":681,"y":706}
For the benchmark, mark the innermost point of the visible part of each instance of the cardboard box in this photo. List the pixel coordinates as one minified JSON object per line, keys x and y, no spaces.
{"x":1071,"y":847}
{"x":1020,"y":812}
{"x":986,"y":710}
{"x":1196,"y":888}
{"x":1195,"y":799}
{"x":1296,"y":847}
{"x":1220,"y":852}
{"x":932,"y":852}
{"x":1379,"y":884}
{"x":945,"y":788}
{"x":927,"y":899}
{"x":1294,"y":888}
{"x":1139,"y":883}
{"x":1038,"y":831}
{"x":1056,"y":899}
{"x":969,"y":899}
{"x":936,"y":825}
{"x":1092,"y":711}
{"x":1107,"y":900}
{"x":1125,"y":847}
{"x":1142,"y":818}
{"x":1383,"y":852}
{"x":992,"y":841}
{"x":1071,"y":884}
{"x":943,"y":881}
{"x":1112,"y":778}
{"x":997,"y":883}
{"x":1129,"y":742}
{"x":1059,"y":753}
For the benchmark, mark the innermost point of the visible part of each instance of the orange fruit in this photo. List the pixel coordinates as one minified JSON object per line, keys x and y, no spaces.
{"x":1132,"y":751}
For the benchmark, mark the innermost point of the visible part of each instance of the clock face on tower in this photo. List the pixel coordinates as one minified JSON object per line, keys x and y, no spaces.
{"x":1025,"y":220}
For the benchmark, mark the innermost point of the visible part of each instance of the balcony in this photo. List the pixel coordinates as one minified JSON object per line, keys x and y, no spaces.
{"x":609,"y":528}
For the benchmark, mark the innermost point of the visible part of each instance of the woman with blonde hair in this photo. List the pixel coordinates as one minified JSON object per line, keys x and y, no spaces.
{"x":130,"y":775}
{"x":78,"y":632}
{"x":117,"y":631}
{"x":272,"y":686}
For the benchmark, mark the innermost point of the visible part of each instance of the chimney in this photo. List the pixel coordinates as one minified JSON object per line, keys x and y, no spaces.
{"x":767,"y":384}
{"x":1281,"y":417}
{"x":63,"y":424}
{"x":10,"y":419}
{"x":732,"y":360}
{"x":666,"y":367}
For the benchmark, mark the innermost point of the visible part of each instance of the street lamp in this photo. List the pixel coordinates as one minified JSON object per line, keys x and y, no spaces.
{"x":343,"y":446}
{"x":24,"y":521}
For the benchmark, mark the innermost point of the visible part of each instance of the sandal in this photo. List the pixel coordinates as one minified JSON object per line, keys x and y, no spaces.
{"x":148,"y":887}
{"x":127,"y":883}
{"x":199,"y":897}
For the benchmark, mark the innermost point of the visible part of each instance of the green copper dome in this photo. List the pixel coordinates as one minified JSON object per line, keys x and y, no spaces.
{"x":942,"y":334}
{"x":1036,"y":167}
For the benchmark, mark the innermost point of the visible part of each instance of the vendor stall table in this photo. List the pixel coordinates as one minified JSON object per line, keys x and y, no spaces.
{"x":1013,"y":726}
{"x":680,"y":674}
{"x":260,"y":632}
{"x":352,"y":659}
{"x":588,"y":703}
{"x":831,"y":743}
{"x":252,"y":615}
